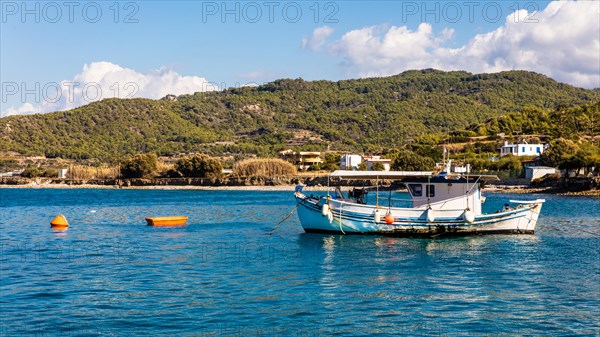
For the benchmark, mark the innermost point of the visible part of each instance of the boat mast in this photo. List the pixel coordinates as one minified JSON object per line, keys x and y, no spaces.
{"x":377,"y":192}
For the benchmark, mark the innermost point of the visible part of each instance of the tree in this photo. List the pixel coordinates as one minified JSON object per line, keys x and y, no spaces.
{"x":139,"y":166}
{"x":331,"y":162}
{"x":409,"y":161}
{"x":559,"y":152}
{"x":587,"y":155}
{"x":377,"y":166}
{"x":199,"y":165}
{"x":509,"y":163}
{"x":429,"y":151}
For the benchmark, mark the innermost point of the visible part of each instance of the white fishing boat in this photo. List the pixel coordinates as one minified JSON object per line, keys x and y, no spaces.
{"x":439,"y":204}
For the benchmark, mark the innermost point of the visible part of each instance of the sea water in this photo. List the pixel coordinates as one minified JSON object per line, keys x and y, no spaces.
{"x":221,"y":275}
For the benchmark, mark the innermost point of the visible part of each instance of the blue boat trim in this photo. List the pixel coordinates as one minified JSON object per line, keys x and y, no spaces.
{"x":414,"y":233}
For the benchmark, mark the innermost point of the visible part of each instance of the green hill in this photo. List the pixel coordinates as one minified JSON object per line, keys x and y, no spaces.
{"x":352,"y":115}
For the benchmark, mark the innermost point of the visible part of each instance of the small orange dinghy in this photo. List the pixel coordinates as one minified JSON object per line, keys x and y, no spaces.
{"x":167,"y":221}
{"x":59,"y":222}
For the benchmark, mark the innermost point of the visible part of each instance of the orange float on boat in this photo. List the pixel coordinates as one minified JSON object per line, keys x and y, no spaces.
{"x":59,"y":222}
{"x":167,"y":221}
{"x":389,"y":218}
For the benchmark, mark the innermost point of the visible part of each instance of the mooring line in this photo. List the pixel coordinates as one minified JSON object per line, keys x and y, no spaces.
{"x":285,"y":218}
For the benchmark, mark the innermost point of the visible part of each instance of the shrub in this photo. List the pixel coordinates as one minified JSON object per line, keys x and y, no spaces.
{"x":509,"y":163}
{"x":8,"y":165}
{"x":171,"y":173}
{"x":35,"y":172}
{"x":31,"y":172}
{"x":139,"y":166}
{"x":199,"y":165}
{"x":263,"y":168}
{"x":410,"y":161}
{"x":331,"y":162}
{"x":378,"y":167}
{"x":560,"y":151}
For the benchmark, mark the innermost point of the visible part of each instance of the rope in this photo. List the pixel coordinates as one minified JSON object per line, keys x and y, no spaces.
{"x":285,"y":218}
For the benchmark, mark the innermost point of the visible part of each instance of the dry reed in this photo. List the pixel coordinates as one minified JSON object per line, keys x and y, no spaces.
{"x":270,"y":167}
{"x":90,"y":172}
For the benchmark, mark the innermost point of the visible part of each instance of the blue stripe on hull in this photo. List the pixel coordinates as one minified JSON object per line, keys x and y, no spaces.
{"x":420,"y":234}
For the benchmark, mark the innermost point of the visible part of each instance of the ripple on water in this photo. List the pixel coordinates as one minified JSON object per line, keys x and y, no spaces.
{"x":111,"y":274}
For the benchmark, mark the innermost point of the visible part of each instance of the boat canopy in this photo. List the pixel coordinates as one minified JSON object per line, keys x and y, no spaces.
{"x":348,"y":174}
{"x":406,"y":175}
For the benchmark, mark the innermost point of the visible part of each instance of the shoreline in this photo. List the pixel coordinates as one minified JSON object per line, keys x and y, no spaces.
{"x":508,"y":189}
{"x":283,"y":188}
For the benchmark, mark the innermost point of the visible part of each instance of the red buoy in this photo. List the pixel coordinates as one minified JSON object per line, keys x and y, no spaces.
{"x":389,"y":218}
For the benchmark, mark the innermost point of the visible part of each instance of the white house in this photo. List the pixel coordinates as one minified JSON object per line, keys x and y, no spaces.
{"x":534,"y":172}
{"x":454,"y":168}
{"x":302,"y":160}
{"x":62,"y":173}
{"x":370,"y":161}
{"x":350,"y":161}
{"x":521,"y":149}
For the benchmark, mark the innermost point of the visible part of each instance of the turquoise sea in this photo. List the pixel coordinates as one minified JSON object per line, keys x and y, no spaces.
{"x":111,"y":275}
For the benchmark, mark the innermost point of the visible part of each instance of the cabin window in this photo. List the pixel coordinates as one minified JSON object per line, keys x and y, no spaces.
{"x":416,"y":190}
{"x":431,"y":190}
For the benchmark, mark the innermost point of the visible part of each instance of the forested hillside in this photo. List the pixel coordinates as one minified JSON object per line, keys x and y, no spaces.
{"x":364,"y":115}
{"x":573,"y":122}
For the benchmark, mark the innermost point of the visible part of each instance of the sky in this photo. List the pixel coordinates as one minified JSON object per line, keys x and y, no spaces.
{"x":60,"y":55}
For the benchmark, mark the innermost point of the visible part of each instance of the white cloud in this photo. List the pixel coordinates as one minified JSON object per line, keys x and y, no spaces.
{"x":317,"y":39}
{"x":99,"y":80}
{"x":564,"y":44}
{"x":24,"y":109}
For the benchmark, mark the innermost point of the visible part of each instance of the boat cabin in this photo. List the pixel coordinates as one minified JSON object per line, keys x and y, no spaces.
{"x":426,"y":190}
{"x":445,"y":192}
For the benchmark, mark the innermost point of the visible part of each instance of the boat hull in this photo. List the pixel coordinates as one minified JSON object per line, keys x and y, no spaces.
{"x":167,"y":221}
{"x":350,"y":218}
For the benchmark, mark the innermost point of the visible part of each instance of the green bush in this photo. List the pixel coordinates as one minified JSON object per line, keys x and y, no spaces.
{"x":378,"y":167}
{"x":35,"y":172}
{"x":331,"y":162}
{"x":509,"y":163}
{"x":410,"y":161}
{"x":199,"y":165}
{"x":8,"y":165}
{"x":139,"y":166}
{"x":560,"y":151}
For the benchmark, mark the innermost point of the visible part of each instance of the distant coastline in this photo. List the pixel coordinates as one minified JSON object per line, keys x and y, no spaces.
{"x":317,"y":183}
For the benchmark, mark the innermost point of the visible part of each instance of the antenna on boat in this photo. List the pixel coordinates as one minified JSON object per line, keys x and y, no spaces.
{"x":468,"y":189}
{"x":427,"y":192}
{"x":444,"y":155}
{"x":377,"y":192}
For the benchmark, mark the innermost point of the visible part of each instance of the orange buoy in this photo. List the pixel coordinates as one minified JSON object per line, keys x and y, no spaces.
{"x":59,"y":222}
{"x":389,"y":218}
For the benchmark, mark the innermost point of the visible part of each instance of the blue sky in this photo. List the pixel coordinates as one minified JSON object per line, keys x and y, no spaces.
{"x":151,"y":48}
